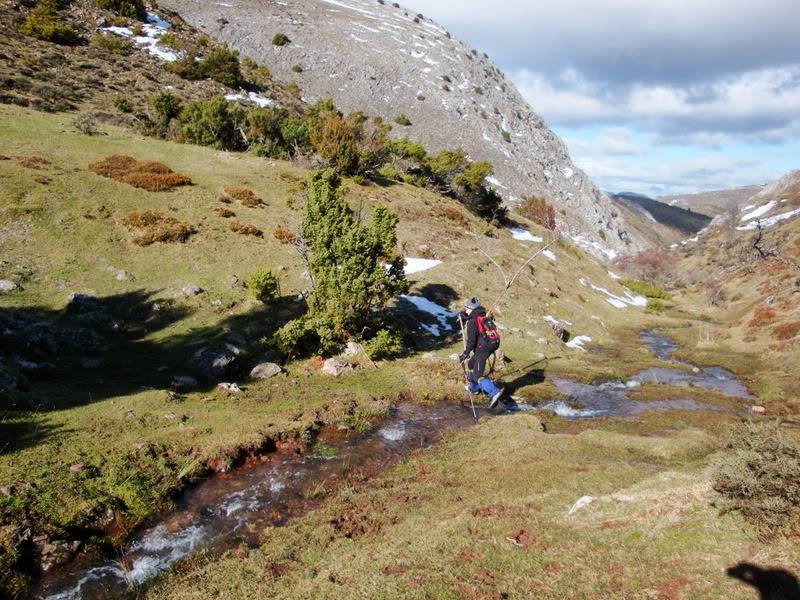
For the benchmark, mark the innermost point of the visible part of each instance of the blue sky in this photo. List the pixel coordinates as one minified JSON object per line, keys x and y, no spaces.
{"x":655,"y":97}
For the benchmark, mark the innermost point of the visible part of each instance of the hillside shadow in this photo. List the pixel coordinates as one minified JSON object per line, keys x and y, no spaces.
{"x":772,"y":584}
{"x":101,"y":347}
{"x":23,"y":432}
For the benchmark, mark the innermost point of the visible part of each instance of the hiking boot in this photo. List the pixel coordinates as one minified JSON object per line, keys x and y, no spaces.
{"x":495,"y":399}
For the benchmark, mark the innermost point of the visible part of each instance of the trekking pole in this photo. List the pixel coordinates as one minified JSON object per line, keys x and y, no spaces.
{"x":464,"y":369}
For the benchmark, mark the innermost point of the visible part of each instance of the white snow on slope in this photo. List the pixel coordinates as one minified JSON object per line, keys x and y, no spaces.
{"x":152,"y":32}
{"x":578,"y":342}
{"x":761,"y":210}
{"x":553,"y":321}
{"x":614,"y":300}
{"x":769,"y":222}
{"x":549,"y":255}
{"x":595,"y":248}
{"x":440,"y":312}
{"x":524,"y":235}
{"x":613,"y":275}
{"x":256,"y":99}
{"x":416,"y":265}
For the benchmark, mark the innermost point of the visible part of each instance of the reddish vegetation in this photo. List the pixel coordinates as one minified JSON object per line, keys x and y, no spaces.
{"x":244,"y":195}
{"x":245,"y":228}
{"x":157,"y":227}
{"x":284,"y":235}
{"x":357,"y":519}
{"x":539,"y":211}
{"x":671,"y":590}
{"x":497,"y":510}
{"x":649,"y":265}
{"x":485,"y":577}
{"x":148,"y":175}
{"x":786,"y":331}
{"x":224,"y":212}
{"x":32,"y":162}
{"x":395,"y":570}
{"x":521,"y":537}
{"x":761,"y":317}
{"x":455,"y":215}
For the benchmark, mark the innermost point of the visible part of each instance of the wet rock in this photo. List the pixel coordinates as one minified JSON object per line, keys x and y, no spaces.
{"x":336,"y":367}
{"x":7,"y":286}
{"x":192,"y":290}
{"x":54,"y":553}
{"x":230,"y":388}
{"x":183,"y":382}
{"x":213,"y":363}
{"x":353,"y":349}
{"x":265,"y":371}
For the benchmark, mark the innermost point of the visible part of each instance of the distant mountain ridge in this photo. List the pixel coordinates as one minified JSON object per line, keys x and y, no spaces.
{"x":684,"y":220}
{"x":390,"y":61}
{"x":713,"y":202}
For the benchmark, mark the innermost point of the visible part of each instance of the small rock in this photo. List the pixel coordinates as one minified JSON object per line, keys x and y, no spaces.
{"x":6,"y":490}
{"x":233,"y":281}
{"x":76,"y":468}
{"x":27,"y":365}
{"x":130,"y":415}
{"x":122,"y":276}
{"x":216,"y":303}
{"x":336,"y":367}
{"x":758,"y":410}
{"x":353,"y":349}
{"x":183,"y":382}
{"x":162,"y":369}
{"x":695,"y":370}
{"x":770,"y":300}
{"x":7,"y":286}
{"x":192,"y":290}
{"x":170,"y":416}
{"x":265,"y":371}
{"x":580,"y":503}
{"x":55,"y":553}
{"x":455,"y":357}
{"x":231,"y":388}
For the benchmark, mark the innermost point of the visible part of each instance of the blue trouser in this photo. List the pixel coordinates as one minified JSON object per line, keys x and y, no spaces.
{"x":477,"y":382}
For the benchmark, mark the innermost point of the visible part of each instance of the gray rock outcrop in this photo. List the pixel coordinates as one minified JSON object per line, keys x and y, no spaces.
{"x":388,"y":61}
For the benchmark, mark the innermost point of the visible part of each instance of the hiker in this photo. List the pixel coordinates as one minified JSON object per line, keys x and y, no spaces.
{"x":482,"y":338}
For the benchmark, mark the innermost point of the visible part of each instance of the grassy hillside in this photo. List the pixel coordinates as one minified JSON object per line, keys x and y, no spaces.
{"x":101,"y":398}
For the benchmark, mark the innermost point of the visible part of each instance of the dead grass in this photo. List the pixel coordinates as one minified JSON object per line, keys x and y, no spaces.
{"x":224,"y":212}
{"x":32,"y":162}
{"x":157,"y":227}
{"x":284,"y":235}
{"x":244,"y":195}
{"x":245,"y":229}
{"x":786,"y":331}
{"x":148,"y":175}
{"x":455,"y":215}
{"x":761,"y":317}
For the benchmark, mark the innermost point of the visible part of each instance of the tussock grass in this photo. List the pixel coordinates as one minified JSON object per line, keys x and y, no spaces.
{"x":244,"y":195}
{"x":157,"y":227}
{"x":245,"y":229}
{"x":148,"y":175}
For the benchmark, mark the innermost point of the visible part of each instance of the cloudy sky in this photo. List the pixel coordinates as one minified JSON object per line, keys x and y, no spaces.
{"x":653,"y":96}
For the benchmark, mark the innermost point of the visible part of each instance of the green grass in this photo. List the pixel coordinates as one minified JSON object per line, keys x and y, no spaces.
{"x":645,"y":289}
{"x":61,"y":225}
{"x":441,"y":525}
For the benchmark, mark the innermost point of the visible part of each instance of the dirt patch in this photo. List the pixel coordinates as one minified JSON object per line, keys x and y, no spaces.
{"x":521,"y":537}
{"x":671,"y":589}
{"x":485,"y":577}
{"x":395,"y":570}
{"x":466,"y":556}
{"x":498,"y":510}
{"x":358,"y":519}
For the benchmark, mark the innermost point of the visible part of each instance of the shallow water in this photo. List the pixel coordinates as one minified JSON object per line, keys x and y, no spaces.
{"x":231,"y":509}
{"x":611,"y":399}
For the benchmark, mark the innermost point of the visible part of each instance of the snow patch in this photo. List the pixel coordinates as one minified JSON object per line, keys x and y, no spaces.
{"x":614,"y":276}
{"x":524,"y":235}
{"x":256,"y":99}
{"x":442,"y":314}
{"x":416,"y":265}
{"x":549,"y":255}
{"x":761,"y":210}
{"x":578,"y":342}
{"x":769,"y":222}
{"x":595,"y":248}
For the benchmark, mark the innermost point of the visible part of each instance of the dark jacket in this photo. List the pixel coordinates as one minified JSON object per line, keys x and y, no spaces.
{"x":471,"y":331}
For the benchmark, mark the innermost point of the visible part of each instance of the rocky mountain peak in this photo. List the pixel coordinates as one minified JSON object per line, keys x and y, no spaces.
{"x":390,"y":61}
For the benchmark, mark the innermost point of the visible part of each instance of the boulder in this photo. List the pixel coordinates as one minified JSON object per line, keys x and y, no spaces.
{"x":7,"y":286}
{"x":336,"y":367}
{"x":353,"y":349}
{"x":213,"y":362}
{"x":230,"y":388}
{"x":183,"y":382}
{"x":265,"y":371}
{"x":54,"y":553}
{"x":190,"y":289}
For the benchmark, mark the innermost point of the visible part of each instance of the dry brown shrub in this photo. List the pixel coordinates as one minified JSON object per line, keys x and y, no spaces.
{"x":761,"y":317}
{"x":244,"y":195}
{"x":245,"y":229}
{"x":455,"y":215}
{"x":32,"y":162}
{"x":284,"y":235}
{"x":539,"y":211}
{"x":224,"y":212}
{"x":148,"y":175}
{"x":157,"y":227}
{"x":786,"y":331}
{"x":156,"y":182}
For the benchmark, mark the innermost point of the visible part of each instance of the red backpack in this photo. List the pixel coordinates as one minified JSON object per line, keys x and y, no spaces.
{"x":487,"y":330}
